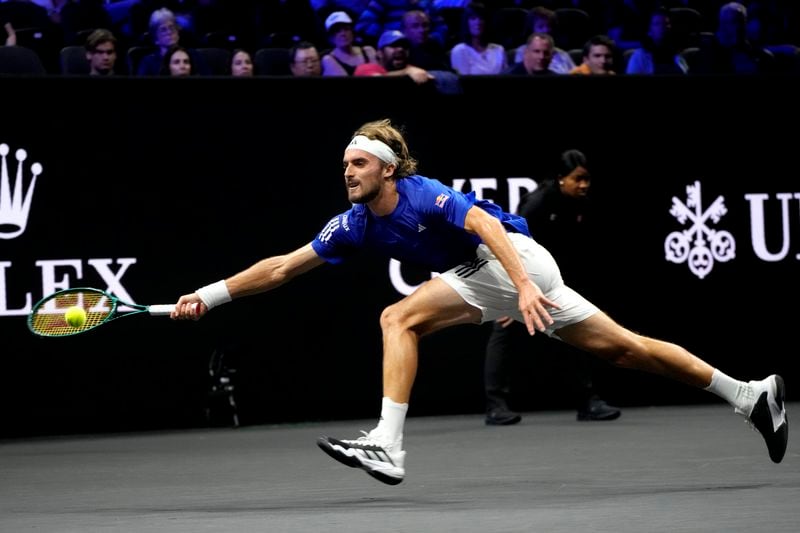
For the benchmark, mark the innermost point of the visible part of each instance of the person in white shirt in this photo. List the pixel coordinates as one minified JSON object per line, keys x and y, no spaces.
{"x":475,"y":55}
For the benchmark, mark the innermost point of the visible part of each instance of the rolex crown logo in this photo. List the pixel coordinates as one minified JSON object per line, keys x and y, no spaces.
{"x":15,"y":204}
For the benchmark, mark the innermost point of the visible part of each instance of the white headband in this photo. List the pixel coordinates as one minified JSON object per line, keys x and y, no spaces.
{"x":375,"y":147}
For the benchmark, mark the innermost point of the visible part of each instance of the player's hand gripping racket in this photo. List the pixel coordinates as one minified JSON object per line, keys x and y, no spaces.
{"x":48,"y":317}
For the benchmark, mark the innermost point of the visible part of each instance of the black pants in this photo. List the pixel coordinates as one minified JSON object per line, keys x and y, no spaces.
{"x":514,"y":341}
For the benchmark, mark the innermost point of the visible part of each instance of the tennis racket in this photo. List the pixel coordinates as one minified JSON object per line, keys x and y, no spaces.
{"x":47,"y":319}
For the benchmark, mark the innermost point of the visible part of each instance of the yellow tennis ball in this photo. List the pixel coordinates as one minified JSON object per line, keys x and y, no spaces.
{"x":75,"y":316}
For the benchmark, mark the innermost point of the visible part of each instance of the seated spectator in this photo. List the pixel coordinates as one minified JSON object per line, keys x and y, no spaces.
{"x":304,"y":60}
{"x":177,"y":62}
{"x":140,"y":12}
{"x":659,"y":54}
{"x":426,"y":51}
{"x":343,"y":59}
{"x":165,"y":32}
{"x":730,"y":52}
{"x":543,"y":20}
{"x":393,"y":47}
{"x":241,"y":63}
{"x":101,"y":52}
{"x":475,"y":54}
{"x":381,"y":16}
{"x":537,"y":57}
{"x":598,"y":56}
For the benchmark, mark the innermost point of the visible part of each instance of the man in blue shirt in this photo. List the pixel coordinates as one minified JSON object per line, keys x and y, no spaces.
{"x":490,"y":267}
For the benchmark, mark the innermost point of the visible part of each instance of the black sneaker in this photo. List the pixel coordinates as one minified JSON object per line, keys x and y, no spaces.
{"x":502,"y":417}
{"x":597,"y":409}
{"x":370,"y":452}
{"x":768,"y":415}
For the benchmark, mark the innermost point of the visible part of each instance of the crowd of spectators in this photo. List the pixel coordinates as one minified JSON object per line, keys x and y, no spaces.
{"x":423,"y":39}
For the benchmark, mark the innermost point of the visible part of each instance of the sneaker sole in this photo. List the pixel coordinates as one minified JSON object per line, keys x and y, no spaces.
{"x":598,"y":418}
{"x":761,"y":417}
{"x":509,"y":421}
{"x":354,"y":462}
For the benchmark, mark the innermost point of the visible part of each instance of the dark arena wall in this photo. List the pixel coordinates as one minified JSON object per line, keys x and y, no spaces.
{"x":155,"y":187}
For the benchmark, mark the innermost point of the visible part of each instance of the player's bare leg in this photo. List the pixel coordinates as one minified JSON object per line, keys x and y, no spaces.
{"x":760,"y":402}
{"x":603,"y":337}
{"x":431,"y":307}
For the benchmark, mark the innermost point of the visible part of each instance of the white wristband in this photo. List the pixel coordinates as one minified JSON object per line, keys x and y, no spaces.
{"x":214,"y":294}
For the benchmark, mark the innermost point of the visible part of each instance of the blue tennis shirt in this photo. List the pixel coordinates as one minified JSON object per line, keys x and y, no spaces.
{"x":426,"y":228}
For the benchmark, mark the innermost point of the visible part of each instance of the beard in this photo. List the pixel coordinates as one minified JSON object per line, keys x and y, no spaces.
{"x":363,"y":196}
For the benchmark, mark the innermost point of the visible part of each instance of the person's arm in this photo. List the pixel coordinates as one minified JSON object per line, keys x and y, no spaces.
{"x":532,"y":302}
{"x":459,"y":61}
{"x":638,"y":63}
{"x":11,"y":34}
{"x":330,"y":67}
{"x":263,"y":276}
{"x":419,"y":75}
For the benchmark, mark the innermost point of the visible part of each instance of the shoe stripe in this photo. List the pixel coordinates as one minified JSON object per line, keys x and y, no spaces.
{"x":376,"y":455}
{"x":368,"y":452}
{"x":375,"y":460}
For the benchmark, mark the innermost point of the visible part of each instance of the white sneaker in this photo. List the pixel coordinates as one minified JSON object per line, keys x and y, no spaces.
{"x":372,"y":452}
{"x":768,"y":414}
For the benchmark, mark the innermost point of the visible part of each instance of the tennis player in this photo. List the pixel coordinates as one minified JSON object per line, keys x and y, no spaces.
{"x":491,"y":267}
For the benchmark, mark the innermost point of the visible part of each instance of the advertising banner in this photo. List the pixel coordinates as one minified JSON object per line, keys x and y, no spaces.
{"x":152,"y":188}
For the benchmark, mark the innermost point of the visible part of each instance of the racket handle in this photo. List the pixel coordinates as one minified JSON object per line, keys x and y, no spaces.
{"x":164,"y":309}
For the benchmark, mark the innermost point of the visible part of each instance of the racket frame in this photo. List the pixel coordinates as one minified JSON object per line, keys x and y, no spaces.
{"x":114,"y":313}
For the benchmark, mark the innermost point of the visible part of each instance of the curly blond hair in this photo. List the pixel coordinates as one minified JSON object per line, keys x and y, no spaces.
{"x":384,"y":131}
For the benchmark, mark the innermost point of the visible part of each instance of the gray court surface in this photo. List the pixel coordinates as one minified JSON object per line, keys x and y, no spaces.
{"x":683,"y":468}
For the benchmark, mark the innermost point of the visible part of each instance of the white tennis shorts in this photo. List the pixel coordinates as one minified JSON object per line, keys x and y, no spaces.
{"x":484,"y":283}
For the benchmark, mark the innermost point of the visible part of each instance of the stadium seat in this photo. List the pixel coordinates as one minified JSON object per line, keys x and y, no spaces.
{"x":271,"y":62}
{"x":73,"y":60}
{"x":20,"y":60}
{"x":217,"y":59}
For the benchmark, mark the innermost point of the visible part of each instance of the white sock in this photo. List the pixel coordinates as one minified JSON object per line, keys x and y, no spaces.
{"x":735,"y":392}
{"x":393,"y":417}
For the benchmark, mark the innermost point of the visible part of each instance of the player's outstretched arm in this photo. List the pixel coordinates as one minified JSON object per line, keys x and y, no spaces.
{"x":262,"y":276}
{"x":532,"y":302}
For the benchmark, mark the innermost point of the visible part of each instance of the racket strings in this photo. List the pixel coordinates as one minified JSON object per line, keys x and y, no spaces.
{"x":49,"y":318}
